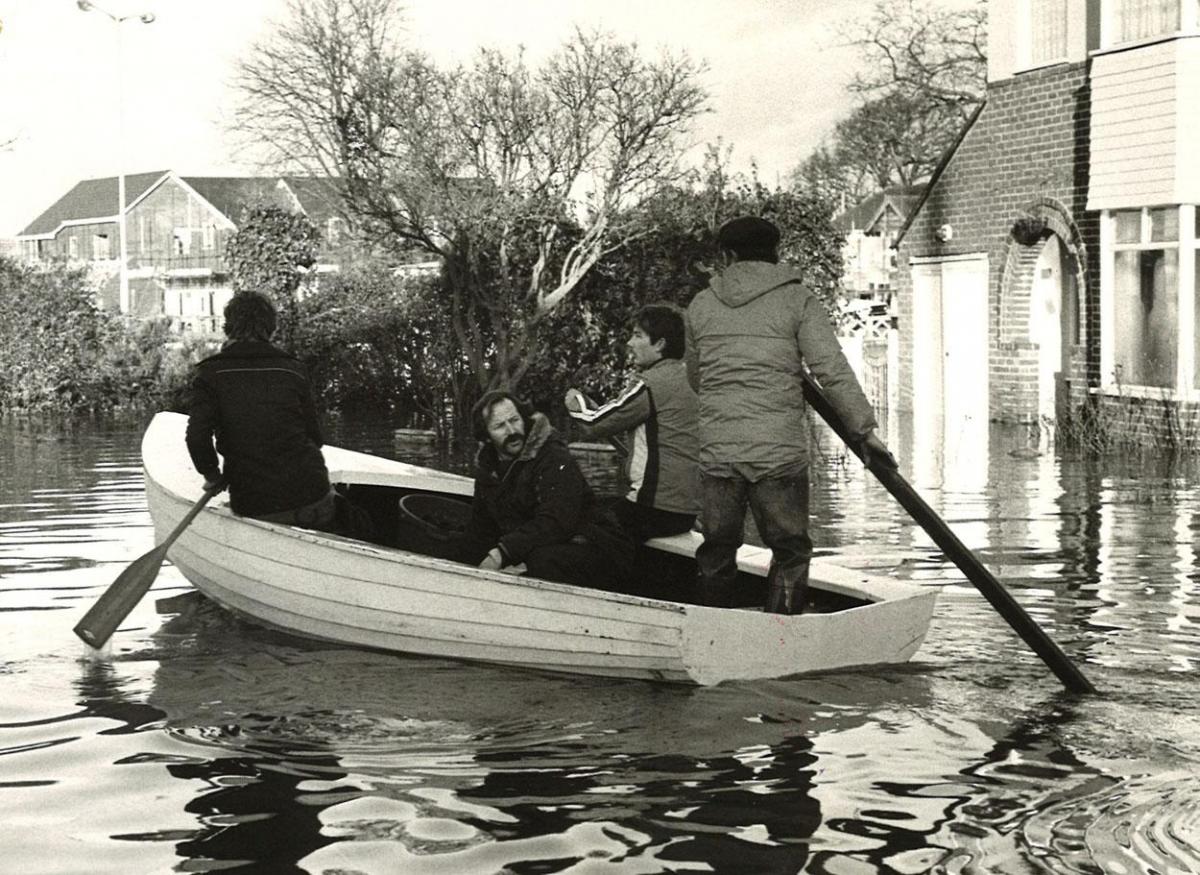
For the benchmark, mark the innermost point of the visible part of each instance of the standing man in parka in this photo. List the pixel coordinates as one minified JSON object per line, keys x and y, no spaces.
{"x":749,"y":336}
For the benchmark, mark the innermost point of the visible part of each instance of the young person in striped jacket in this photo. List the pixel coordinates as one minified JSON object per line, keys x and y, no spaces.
{"x":659,"y":409}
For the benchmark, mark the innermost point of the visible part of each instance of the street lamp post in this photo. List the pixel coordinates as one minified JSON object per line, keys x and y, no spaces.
{"x":123,"y":264}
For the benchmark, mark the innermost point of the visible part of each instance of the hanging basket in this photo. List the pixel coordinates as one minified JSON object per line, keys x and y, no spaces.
{"x":1028,"y":230}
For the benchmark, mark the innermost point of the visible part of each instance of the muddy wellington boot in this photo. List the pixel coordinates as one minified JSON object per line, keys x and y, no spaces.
{"x":787,"y":589}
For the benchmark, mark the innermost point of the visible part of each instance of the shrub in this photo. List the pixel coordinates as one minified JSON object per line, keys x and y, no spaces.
{"x":61,"y":353}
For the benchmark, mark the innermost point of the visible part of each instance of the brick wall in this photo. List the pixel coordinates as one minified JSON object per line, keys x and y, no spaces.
{"x":1143,"y":422}
{"x":1026,"y":154}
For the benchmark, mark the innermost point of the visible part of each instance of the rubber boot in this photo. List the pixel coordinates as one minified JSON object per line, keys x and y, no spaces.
{"x":787,"y":589}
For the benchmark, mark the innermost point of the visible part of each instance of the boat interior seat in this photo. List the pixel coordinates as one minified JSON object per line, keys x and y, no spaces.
{"x":679,"y":545}
{"x":751,"y":559}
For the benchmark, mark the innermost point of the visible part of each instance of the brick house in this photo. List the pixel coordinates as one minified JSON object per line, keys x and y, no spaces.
{"x":1053,"y":259}
{"x":178,"y":227}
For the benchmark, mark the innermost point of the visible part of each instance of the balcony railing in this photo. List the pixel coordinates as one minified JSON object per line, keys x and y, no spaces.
{"x":184,"y":265}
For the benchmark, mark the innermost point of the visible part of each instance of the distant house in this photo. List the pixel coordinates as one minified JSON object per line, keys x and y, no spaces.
{"x":321,"y":200}
{"x":178,"y":227}
{"x":1053,"y":259}
{"x":871,"y":227}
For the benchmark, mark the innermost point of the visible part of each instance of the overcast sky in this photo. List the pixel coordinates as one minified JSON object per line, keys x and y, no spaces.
{"x":776,"y":76}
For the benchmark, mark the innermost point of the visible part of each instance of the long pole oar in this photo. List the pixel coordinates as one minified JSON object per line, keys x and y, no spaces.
{"x":127,"y":590}
{"x":999,"y":598}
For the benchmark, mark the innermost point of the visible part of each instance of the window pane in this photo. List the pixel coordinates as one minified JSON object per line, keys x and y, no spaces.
{"x":1129,"y":226}
{"x":1139,"y":19}
{"x":1048,"y":30}
{"x":1164,"y":224}
{"x":1146,"y":300}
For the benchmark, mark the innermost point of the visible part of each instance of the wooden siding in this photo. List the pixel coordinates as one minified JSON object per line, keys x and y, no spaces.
{"x":1136,"y":107}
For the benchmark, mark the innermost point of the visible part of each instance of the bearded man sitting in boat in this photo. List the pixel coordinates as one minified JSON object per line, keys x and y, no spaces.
{"x":532,"y":504}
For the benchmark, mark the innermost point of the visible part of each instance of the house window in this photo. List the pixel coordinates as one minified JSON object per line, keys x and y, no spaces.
{"x":1146,"y":296}
{"x":183,"y":241}
{"x":72,"y":247}
{"x":100,"y":248}
{"x":1047,"y":31}
{"x":210,"y":237}
{"x":1143,"y":19}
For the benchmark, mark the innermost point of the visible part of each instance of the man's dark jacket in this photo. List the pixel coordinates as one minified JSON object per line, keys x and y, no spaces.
{"x":539,"y":499}
{"x":256,"y":401}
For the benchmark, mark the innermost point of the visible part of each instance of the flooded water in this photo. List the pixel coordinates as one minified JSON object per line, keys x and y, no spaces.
{"x":199,"y":743}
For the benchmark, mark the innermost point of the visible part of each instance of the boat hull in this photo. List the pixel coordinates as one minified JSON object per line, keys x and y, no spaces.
{"x":360,"y":594}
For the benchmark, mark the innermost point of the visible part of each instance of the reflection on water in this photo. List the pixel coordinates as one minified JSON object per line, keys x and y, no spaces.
{"x":201,"y":743}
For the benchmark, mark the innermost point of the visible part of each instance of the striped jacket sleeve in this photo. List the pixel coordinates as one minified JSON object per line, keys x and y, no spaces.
{"x":625,"y":412}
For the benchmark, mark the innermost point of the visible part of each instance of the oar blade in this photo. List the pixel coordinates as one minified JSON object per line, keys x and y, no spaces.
{"x":114,"y":605}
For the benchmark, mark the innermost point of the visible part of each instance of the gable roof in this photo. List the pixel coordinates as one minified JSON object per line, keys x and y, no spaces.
{"x":96,"y":199}
{"x":320,"y":197}
{"x":866,"y":213}
{"x":91,"y":199}
{"x":232,"y":195}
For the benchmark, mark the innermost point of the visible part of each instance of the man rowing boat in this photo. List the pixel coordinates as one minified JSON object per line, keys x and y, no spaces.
{"x":751,"y":333}
{"x":255,"y":401}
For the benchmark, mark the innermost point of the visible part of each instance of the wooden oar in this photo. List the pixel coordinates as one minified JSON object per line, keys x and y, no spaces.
{"x":999,"y":598}
{"x":126,"y":591}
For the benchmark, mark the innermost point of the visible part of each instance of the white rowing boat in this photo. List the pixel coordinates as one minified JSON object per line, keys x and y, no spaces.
{"x":390,"y":597}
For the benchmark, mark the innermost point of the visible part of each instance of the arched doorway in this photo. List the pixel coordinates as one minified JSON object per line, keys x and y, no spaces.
{"x":1053,"y":315}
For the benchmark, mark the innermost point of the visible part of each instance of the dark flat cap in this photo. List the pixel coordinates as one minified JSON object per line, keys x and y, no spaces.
{"x":748,"y":233}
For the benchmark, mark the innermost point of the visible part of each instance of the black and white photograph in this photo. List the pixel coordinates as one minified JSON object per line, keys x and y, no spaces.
{"x":453,"y":437}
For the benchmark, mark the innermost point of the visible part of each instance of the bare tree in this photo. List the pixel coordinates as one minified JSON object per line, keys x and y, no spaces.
{"x":517,"y":178}
{"x":925,"y":52}
{"x":924,"y":71}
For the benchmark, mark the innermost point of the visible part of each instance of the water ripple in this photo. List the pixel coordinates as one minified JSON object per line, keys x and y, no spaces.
{"x":1144,"y":824}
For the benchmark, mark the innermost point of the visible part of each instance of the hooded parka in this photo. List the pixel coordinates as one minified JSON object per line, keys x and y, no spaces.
{"x":747,"y":335}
